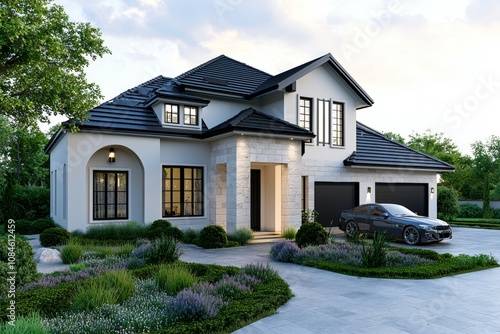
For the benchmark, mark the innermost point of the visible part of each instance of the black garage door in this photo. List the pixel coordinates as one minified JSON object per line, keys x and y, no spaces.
{"x":330,"y":198}
{"x":412,"y":195}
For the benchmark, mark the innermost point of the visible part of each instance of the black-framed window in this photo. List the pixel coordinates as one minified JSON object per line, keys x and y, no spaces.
{"x":190,"y":115}
{"x":337,"y":124}
{"x":323,"y":122}
{"x":171,"y":113}
{"x":110,"y":195}
{"x":182,"y":191}
{"x":305,"y":113}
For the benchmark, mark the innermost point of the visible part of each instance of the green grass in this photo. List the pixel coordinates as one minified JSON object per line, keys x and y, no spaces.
{"x":31,"y":324}
{"x":477,"y":223}
{"x":444,"y":265}
{"x":172,"y":278}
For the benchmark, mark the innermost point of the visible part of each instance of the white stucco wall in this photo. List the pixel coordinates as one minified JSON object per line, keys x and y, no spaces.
{"x":87,"y":151}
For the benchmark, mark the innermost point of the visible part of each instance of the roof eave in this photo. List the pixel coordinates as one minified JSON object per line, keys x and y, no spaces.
{"x":397,"y":167}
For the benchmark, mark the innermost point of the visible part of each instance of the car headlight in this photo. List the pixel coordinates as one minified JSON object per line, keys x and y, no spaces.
{"x":428,"y":227}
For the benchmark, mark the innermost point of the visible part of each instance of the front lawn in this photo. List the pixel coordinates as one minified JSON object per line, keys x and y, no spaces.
{"x":148,"y":290}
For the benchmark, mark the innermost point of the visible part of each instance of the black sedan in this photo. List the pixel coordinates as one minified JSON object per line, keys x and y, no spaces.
{"x":396,"y":221}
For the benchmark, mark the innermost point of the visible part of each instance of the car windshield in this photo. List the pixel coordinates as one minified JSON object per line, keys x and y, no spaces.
{"x":398,"y":210}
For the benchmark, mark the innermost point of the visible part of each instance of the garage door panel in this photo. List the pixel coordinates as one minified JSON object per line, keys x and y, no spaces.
{"x":412,"y":195}
{"x":330,"y":198}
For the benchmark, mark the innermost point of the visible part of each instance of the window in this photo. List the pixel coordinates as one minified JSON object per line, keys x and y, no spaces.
{"x":110,"y":195}
{"x":182,"y":191}
{"x":171,"y":113}
{"x":323,"y":133}
{"x":337,"y":124}
{"x":190,"y":115}
{"x":305,"y":113}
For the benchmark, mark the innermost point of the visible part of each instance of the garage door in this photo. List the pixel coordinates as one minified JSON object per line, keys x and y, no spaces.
{"x":412,"y":195}
{"x":330,"y":198}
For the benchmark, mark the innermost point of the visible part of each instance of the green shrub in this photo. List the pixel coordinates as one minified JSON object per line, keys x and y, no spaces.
{"x":311,"y":234}
{"x":164,"y":250}
{"x":212,"y":236}
{"x":162,"y":223}
{"x":375,"y":254}
{"x":23,"y":226}
{"x":241,"y":235}
{"x":447,"y":203}
{"x":31,"y":324}
{"x":30,"y":202}
{"x":190,"y":234}
{"x":36,"y":300}
{"x":170,"y":231}
{"x":71,"y":253}
{"x":232,"y":244}
{"x":470,"y":210}
{"x":54,"y":236}
{"x":41,"y":224}
{"x":289,"y":233}
{"x":173,"y":278}
{"x":117,"y":232}
{"x":111,"y":287}
{"x":24,"y":266}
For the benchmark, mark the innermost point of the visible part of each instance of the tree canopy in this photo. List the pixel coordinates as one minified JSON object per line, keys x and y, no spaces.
{"x":42,"y":60}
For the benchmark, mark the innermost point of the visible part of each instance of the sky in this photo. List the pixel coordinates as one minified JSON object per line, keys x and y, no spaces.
{"x":427,"y":64}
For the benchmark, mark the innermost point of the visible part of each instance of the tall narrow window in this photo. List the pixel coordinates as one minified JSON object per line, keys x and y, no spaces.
{"x":110,"y":195}
{"x":305,"y":113}
{"x":171,"y":113}
{"x":323,"y":133}
{"x":337,"y":124}
{"x":190,"y":115}
{"x":182,"y":191}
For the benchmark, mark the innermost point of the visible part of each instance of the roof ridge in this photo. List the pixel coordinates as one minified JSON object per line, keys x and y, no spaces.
{"x":241,"y":116}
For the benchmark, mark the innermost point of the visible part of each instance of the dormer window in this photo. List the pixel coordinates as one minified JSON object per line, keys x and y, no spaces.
{"x":171,"y":114}
{"x":190,"y":115}
{"x":174,"y":114}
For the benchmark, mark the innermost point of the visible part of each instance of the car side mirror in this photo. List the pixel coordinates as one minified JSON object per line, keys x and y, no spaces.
{"x":385,"y":215}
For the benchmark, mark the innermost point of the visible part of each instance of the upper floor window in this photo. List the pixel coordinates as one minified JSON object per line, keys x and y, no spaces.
{"x":337,"y":124}
{"x":323,"y":122}
{"x":305,"y":113}
{"x":190,"y":115}
{"x":171,"y":113}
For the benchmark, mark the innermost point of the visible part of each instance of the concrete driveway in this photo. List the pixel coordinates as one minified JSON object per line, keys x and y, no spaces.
{"x":326,"y":302}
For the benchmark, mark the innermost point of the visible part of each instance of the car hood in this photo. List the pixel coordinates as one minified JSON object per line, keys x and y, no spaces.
{"x":424,"y":220}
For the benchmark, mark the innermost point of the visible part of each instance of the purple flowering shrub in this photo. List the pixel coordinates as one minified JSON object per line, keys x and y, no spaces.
{"x":284,"y":251}
{"x":190,"y":305}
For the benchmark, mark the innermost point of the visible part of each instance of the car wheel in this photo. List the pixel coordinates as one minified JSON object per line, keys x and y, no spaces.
{"x":351,"y":228}
{"x":411,"y":235}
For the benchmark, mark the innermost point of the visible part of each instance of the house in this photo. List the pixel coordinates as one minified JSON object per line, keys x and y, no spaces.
{"x":228,"y":144}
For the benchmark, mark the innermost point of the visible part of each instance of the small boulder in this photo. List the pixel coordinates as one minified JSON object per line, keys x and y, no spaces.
{"x":44,"y":255}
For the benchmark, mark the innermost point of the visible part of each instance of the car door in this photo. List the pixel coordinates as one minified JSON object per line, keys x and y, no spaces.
{"x":380,"y":221}
{"x":361,"y":217}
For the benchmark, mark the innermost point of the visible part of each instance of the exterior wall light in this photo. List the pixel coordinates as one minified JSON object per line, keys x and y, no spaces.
{"x":433,"y":190}
{"x":111,"y":155}
{"x":369,"y":190}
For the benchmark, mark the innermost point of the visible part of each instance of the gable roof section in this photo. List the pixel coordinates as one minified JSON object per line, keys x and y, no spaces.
{"x":282,"y":80}
{"x":373,"y":149}
{"x":223,"y":75}
{"x":253,"y":121}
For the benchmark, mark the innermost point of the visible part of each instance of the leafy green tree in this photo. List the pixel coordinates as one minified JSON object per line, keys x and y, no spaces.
{"x":447,"y":203}
{"x":22,"y":154}
{"x":396,"y":137}
{"x":42,"y":60}
{"x":486,"y":169}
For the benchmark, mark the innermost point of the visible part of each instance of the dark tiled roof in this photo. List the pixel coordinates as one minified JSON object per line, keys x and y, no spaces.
{"x":253,"y":121}
{"x":130,"y":112}
{"x":224,"y":75}
{"x":373,"y":149}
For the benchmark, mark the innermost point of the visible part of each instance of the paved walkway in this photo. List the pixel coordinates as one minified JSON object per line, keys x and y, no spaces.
{"x":326,"y":302}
